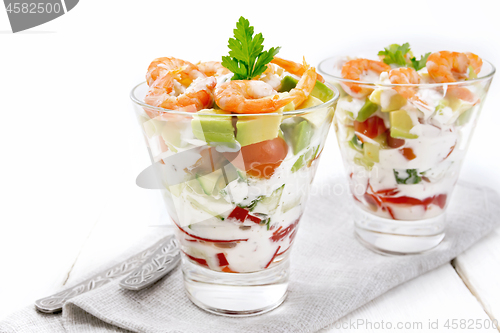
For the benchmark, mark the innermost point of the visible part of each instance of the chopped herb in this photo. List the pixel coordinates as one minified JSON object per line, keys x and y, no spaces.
{"x":408,"y":176}
{"x":356,"y":144}
{"x":247,"y":58}
{"x":395,"y":54}
{"x":419,"y":64}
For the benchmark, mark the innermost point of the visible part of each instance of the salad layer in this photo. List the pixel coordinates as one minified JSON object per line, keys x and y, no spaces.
{"x":235,"y":165}
{"x":403,"y":126}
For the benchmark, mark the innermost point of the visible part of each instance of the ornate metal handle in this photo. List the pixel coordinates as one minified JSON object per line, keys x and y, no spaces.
{"x":54,"y":303}
{"x":157,"y":266}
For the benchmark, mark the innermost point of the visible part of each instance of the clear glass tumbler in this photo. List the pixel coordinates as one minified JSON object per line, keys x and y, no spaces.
{"x":235,"y":187}
{"x":403,"y":157}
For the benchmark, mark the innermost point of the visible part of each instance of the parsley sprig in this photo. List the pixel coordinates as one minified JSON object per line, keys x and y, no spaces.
{"x":396,"y":54}
{"x":247,"y":58}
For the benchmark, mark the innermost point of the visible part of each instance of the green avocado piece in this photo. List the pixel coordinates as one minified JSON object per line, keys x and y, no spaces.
{"x":302,"y":134}
{"x":366,"y":110}
{"x":371,"y":151}
{"x":208,"y":126}
{"x":391,"y":100}
{"x":250,"y":130}
{"x":320,"y":90}
{"x":401,"y":124}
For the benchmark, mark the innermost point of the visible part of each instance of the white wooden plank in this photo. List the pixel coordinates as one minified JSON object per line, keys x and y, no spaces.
{"x":438,"y":295}
{"x":479,"y":268}
{"x":130,"y":223}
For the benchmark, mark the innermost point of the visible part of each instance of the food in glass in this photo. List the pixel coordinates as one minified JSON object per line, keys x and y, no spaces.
{"x":403,"y":126}
{"x":235,"y":151}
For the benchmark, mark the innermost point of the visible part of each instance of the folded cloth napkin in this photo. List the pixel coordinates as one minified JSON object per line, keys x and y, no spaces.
{"x":332,"y":274}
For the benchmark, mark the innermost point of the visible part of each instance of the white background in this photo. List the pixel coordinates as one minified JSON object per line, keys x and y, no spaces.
{"x":69,"y":146}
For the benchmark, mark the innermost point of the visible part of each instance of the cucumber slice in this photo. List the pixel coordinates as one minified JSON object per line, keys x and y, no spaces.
{"x":209,"y":181}
{"x":204,"y":208}
{"x":270,"y":204}
{"x":362,"y":161}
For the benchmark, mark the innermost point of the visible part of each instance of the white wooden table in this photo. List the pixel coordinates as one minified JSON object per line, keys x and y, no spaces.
{"x":70,"y":148}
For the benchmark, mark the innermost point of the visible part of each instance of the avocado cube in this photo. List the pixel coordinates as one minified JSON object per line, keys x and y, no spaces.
{"x":366,"y":110}
{"x":213,"y":127}
{"x":370,"y":151}
{"x":250,"y":130}
{"x":310,"y":102}
{"x":401,"y":124}
{"x":319,"y":116}
{"x":388,"y":99}
{"x":288,"y":83}
{"x":320,"y":90}
{"x":302,"y":134}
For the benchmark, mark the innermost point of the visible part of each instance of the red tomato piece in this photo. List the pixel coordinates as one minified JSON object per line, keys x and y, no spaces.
{"x":408,"y":153}
{"x":254,"y":219}
{"x":394,"y":142}
{"x":200,"y":261}
{"x":238,"y":213}
{"x":222,"y":259}
{"x":228,"y":270}
{"x":371,"y":127}
{"x":260,"y":159}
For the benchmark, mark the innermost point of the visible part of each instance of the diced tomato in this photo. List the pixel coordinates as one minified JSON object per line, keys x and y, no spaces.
{"x":254,"y":219}
{"x":274,"y":256}
{"x":371,"y":127}
{"x":228,"y":270}
{"x":439,"y":200}
{"x":200,"y":261}
{"x":238,"y":213}
{"x":394,"y":142}
{"x":408,"y":153}
{"x":260,"y":159}
{"x":222,"y":259}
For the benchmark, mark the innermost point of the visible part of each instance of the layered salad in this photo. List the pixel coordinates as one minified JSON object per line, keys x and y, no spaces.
{"x":237,"y":153}
{"x":403,"y":125}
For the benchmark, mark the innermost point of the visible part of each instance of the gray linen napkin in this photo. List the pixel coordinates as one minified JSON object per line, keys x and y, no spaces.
{"x":332,"y":274}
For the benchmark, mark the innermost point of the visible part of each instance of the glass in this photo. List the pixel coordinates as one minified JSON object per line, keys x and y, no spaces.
{"x":236,"y":209}
{"x":403,"y":156}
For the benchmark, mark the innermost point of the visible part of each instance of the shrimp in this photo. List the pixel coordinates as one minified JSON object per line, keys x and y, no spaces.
{"x":252,"y":96}
{"x":164,"y":93}
{"x":161,"y":65}
{"x":293,"y":67}
{"x":475,"y":62}
{"x":405,"y":75}
{"x":446,"y":66}
{"x":304,"y":86}
{"x":462,"y":93}
{"x":212,"y":68}
{"x":354,"y":69}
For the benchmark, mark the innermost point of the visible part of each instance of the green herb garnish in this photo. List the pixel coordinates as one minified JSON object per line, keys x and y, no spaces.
{"x":408,"y":176}
{"x":246,"y":56}
{"x":396,"y":54}
{"x":419,"y":64}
